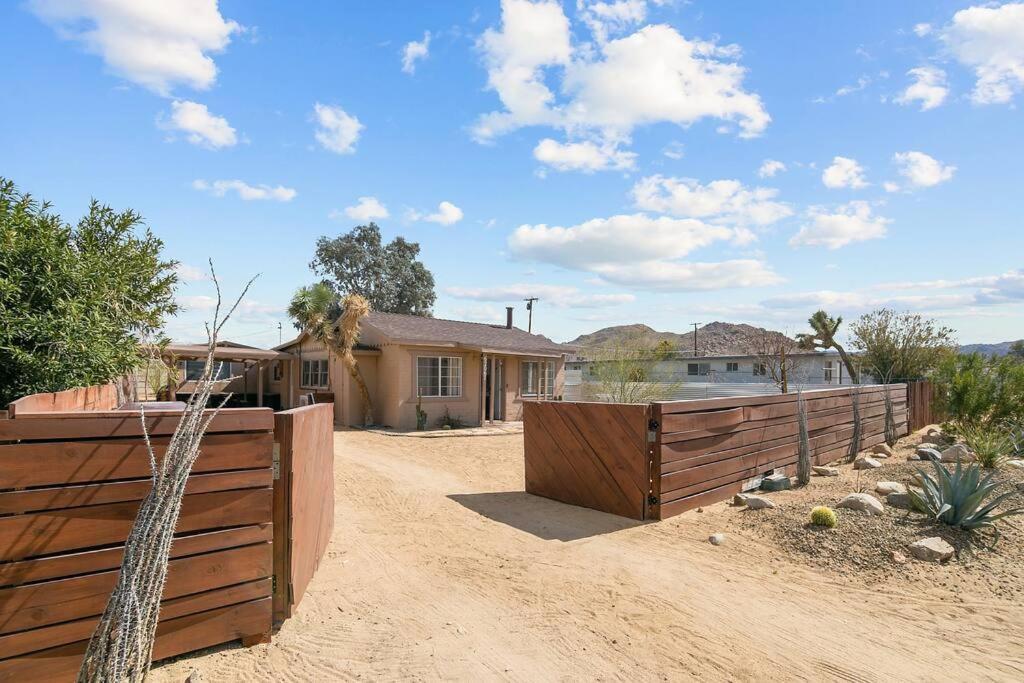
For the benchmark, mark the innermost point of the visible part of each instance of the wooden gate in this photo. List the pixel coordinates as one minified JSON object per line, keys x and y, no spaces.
{"x":593,"y":455}
{"x":920,"y":397}
{"x":303,"y":499}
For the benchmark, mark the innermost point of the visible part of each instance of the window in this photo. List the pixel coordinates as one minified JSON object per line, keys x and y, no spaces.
{"x":537,"y":378}
{"x":194,"y":369}
{"x":314,"y":374}
{"x":698,"y":368}
{"x":732,"y":367}
{"x":438,"y":376}
{"x":830,"y":377}
{"x":760,"y":369}
{"x":278,"y":372}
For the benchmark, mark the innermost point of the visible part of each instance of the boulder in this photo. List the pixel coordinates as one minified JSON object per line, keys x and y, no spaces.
{"x":883,"y":450}
{"x":927,"y":444}
{"x":932,"y":549}
{"x":884,"y":488}
{"x":864,"y":462}
{"x":740,"y":499}
{"x":716,"y":539}
{"x":928,"y":454}
{"x":1019,"y":464}
{"x":823,"y":471}
{"x":899,"y":499}
{"x":776,"y":482}
{"x":862,"y":502}
{"x":957,"y":452}
{"x":759,"y":503}
{"x":898,"y":557}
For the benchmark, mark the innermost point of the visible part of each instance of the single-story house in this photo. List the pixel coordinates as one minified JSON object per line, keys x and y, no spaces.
{"x":473,"y":372}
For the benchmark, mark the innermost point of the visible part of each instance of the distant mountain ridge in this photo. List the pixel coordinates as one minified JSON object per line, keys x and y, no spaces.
{"x":714,"y":339}
{"x":1000,"y":349}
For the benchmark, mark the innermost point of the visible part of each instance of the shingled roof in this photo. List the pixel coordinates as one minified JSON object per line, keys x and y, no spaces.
{"x":416,"y":329}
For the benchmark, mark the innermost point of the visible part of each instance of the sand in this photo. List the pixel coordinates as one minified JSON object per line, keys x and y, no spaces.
{"x":442,"y":568}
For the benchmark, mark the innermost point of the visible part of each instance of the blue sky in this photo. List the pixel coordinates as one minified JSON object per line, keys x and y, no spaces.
{"x":633,"y":161}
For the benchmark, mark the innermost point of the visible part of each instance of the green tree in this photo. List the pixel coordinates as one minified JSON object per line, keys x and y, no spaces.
{"x":388,"y":276}
{"x":625,"y":371}
{"x":1017,"y":349}
{"x":75,"y":301}
{"x":664,"y":349}
{"x":823,"y":336}
{"x":900,"y":346}
{"x":980,"y":390}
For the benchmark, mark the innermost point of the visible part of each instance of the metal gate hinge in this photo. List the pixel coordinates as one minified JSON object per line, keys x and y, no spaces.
{"x":652,"y":500}
{"x":653,"y":425}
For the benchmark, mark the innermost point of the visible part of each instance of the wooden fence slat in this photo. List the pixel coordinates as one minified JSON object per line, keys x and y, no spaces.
{"x":84,"y":425}
{"x":672,"y":407}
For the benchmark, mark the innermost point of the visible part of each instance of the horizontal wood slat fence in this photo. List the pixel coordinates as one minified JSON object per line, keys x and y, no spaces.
{"x":73,"y":471}
{"x":684,"y":454}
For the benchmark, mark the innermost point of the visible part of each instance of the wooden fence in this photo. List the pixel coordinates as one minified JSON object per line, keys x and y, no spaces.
{"x":303,"y":500}
{"x":72,"y":475}
{"x":688,"y":453}
{"x":921,"y":404}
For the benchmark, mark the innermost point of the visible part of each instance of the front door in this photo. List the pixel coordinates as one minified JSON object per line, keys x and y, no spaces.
{"x":499,"y":389}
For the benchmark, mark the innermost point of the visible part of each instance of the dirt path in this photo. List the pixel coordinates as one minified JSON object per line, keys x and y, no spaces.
{"x":441,"y":568}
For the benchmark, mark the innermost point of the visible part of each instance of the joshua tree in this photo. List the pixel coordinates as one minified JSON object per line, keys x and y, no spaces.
{"x":823,"y":336}
{"x":317,"y":310}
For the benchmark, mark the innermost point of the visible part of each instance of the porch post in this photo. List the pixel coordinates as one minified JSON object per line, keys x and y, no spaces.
{"x":259,"y":384}
{"x":483,"y":388}
{"x":494,"y":389}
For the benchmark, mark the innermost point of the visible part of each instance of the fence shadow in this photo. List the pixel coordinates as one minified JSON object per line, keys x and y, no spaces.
{"x":544,"y":518}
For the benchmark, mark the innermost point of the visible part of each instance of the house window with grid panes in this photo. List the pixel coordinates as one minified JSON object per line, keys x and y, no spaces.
{"x":537,"y":379}
{"x":314,"y":374}
{"x":439,"y":376}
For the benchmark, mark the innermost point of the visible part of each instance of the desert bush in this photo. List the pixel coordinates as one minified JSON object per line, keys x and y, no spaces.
{"x":824,"y":516}
{"x":976,"y":389}
{"x":449,"y":421}
{"x":959,"y":498}
{"x":991,"y":445}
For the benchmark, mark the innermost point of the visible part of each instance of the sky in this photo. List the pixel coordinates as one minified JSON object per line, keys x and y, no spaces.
{"x":633,"y":161}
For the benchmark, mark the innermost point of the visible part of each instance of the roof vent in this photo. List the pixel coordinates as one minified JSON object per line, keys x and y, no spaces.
{"x":508,"y":317}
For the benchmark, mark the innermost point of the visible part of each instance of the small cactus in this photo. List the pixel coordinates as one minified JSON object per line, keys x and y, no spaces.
{"x":824,"y":516}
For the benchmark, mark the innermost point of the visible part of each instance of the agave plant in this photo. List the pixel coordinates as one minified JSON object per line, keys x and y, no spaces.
{"x":959,"y":499}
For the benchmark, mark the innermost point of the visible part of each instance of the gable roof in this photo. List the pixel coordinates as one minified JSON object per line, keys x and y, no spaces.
{"x":415,"y":329}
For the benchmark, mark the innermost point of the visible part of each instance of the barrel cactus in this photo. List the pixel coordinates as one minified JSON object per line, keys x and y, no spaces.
{"x":824,"y":516}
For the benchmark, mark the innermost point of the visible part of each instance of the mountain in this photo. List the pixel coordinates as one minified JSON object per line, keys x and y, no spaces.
{"x":714,"y":339}
{"x":1000,"y":349}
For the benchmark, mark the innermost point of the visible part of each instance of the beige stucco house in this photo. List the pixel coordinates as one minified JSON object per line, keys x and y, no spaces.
{"x":476,"y":372}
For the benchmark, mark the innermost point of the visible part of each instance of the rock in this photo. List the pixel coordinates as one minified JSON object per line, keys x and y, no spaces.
{"x":862,"y":502}
{"x":933,"y":431}
{"x":1015,"y":463}
{"x":957,"y":452}
{"x":927,"y":444}
{"x":776,"y":482}
{"x":932,"y":549}
{"x":1020,"y":487}
{"x":882,"y":449}
{"x":716,"y":539}
{"x":194,"y":677}
{"x":884,"y":488}
{"x":899,"y":499}
{"x":929,"y":454}
{"x":759,"y":503}
{"x":823,"y":471}
{"x":700,"y":509}
{"x":898,"y":557}
{"x":864,"y":462}
{"x":740,"y":499}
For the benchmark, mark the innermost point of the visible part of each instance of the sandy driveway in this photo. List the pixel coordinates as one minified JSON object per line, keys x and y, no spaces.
{"x":442,"y":568}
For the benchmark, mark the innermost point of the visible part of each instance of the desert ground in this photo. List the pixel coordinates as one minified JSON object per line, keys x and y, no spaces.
{"x":441,"y":567}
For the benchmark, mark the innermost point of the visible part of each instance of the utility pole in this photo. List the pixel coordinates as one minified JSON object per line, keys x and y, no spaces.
{"x":279,"y":334}
{"x":529,"y":307}
{"x":695,"y":338}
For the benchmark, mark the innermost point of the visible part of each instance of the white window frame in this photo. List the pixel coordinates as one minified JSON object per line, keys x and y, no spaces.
{"x":540,"y":382}
{"x":760,"y":370}
{"x":307,"y":373}
{"x":698,"y":367}
{"x":448,"y":379}
{"x":829,"y":372}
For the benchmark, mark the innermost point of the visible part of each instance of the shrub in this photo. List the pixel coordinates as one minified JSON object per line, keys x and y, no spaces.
{"x":991,"y":445}
{"x":976,"y":389}
{"x":959,"y":499}
{"x":824,"y":516}
{"x":449,"y":421}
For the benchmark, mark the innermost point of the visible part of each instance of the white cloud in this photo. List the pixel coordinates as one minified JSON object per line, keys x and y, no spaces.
{"x":922,"y":29}
{"x":200,"y":126}
{"x":683,"y":276}
{"x":336,"y":131}
{"x":219,"y":188}
{"x":414,"y":51}
{"x":187,"y":273}
{"x":844,"y":172}
{"x":725,"y":201}
{"x":152,"y":43}
{"x":559,"y":296}
{"x":446,"y":214}
{"x":929,"y":88}
{"x":611,"y":18}
{"x":890,"y":186}
{"x":582,"y":156}
{"x":674,"y":150}
{"x":990,"y":40}
{"x":770,"y":167}
{"x":849,"y":223}
{"x":650,"y":76}
{"x":921,"y":170}
{"x":367,"y":209}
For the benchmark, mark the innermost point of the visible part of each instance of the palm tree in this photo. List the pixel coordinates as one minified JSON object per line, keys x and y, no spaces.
{"x":824,"y":337}
{"x":317,"y":310}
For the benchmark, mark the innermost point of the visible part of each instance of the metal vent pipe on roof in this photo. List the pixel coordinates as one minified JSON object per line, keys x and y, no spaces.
{"x":508,"y":317}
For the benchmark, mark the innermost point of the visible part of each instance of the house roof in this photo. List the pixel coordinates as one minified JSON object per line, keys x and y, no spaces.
{"x":419,"y":330}
{"x":225,"y":351}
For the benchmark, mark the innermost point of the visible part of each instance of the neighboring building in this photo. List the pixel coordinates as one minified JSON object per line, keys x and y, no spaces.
{"x":476,"y":372}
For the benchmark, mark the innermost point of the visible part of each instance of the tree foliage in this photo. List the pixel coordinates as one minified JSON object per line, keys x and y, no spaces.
{"x":388,"y":276}
{"x":980,"y":390}
{"x":779,"y":355}
{"x":823,"y":336}
{"x":75,"y":301}
{"x":625,"y":372}
{"x":900,"y":346}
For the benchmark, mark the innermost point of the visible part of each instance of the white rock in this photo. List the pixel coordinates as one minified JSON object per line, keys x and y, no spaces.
{"x":883,"y":449}
{"x":927,"y":444}
{"x":823,"y":471}
{"x":1016,"y":463}
{"x":716,"y":539}
{"x":864,"y":462}
{"x":884,"y":488}
{"x":957,"y":452}
{"x":759,"y":503}
{"x":740,"y":499}
{"x":932,"y":549}
{"x":862,"y":502}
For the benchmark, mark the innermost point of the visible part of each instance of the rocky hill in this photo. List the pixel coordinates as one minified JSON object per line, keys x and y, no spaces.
{"x":714,"y":339}
{"x":1000,"y":349}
